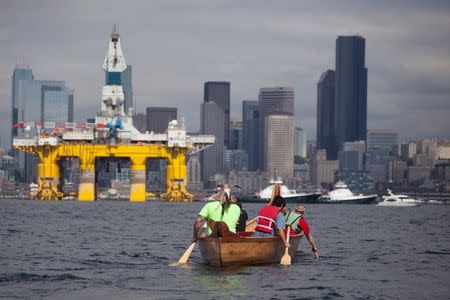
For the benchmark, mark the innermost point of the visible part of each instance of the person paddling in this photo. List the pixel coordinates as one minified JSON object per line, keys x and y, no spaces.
{"x":270,"y":220}
{"x":300,"y":225}
{"x":223,"y":209}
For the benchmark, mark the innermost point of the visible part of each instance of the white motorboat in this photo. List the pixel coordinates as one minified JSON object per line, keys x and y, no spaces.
{"x":291,"y":196}
{"x":398,"y":200}
{"x":343,"y":195}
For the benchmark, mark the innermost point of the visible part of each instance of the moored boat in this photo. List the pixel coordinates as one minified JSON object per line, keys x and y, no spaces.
{"x":291,"y":196}
{"x":343,"y":195}
{"x":224,"y":248}
{"x":398,"y":200}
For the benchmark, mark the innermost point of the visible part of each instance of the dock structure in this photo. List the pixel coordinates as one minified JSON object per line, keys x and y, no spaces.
{"x":111,"y":136}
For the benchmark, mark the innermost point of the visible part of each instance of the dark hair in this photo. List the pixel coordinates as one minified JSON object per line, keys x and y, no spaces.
{"x":279,"y":201}
{"x":226,"y":203}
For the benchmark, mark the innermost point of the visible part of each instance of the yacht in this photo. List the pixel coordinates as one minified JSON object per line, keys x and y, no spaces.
{"x":398,"y":200}
{"x":342,"y":194}
{"x":291,"y":196}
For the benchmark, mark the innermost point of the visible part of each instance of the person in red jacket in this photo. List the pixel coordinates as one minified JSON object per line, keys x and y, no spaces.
{"x":271,"y":221}
{"x":299,"y":225}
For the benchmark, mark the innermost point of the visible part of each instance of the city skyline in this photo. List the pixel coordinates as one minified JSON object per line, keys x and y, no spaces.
{"x":172,"y":60}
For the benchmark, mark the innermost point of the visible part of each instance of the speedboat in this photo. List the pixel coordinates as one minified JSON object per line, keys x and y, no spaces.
{"x":398,"y":200}
{"x":291,"y":196}
{"x":343,"y":195}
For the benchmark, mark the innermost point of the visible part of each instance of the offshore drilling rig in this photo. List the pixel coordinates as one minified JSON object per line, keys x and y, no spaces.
{"x":112,"y":136}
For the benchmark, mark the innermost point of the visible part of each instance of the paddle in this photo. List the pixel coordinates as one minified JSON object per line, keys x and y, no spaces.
{"x":183,"y":259}
{"x":286,"y":259}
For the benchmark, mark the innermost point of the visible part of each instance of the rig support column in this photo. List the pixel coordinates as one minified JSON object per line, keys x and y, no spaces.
{"x":176,"y":177}
{"x":86,"y":185}
{"x":48,"y":175}
{"x":137,"y":179}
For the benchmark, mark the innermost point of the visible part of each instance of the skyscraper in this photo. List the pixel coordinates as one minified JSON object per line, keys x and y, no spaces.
{"x":273,"y":101}
{"x":279,"y":145}
{"x":381,"y":139}
{"x":219,"y":92}
{"x":351,"y":90}
{"x":37,"y":100}
{"x":250,"y":132}
{"x":158,"y":118}
{"x":325,"y":114}
{"x":235,"y":134}
{"x":20,"y":73}
{"x":300,"y":142}
{"x":212,"y":119}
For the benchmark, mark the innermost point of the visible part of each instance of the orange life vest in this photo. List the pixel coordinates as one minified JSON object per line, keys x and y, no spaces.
{"x":266,"y":218}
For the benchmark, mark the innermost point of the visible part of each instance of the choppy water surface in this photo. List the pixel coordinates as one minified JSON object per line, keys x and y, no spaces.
{"x":123,"y":250}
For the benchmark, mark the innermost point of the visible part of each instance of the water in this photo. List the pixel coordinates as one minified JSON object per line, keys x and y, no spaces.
{"x":122,"y":250}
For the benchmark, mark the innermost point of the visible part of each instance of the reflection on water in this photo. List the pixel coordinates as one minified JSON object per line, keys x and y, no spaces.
{"x":120,"y":250}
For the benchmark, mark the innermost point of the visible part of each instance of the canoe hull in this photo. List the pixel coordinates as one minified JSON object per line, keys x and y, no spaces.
{"x":231,"y":251}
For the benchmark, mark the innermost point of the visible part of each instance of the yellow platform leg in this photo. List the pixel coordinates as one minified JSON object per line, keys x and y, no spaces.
{"x":137,"y":179}
{"x":48,"y":175}
{"x":176,"y":178}
{"x":86,"y":185}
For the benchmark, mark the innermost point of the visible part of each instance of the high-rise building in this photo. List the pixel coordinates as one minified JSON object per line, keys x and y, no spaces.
{"x":212,"y":119}
{"x":20,"y":74}
{"x":194,"y":182}
{"x":219,"y":92}
{"x":351,"y":157}
{"x":279,"y":145}
{"x":322,"y":171}
{"x":158,"y":118}
{"x":37,"y":100}
{"x":250,"y":132}
{"x":235,"y":134}
{"x":326,"y":138}
{"x":351,"y":90}
{"x":381,"y":139}
{"x":140,"y":122}
{"x":273,"y":101}
{"x":300,"y":141}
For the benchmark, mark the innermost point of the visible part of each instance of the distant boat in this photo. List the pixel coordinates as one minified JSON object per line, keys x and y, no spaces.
{"x":398,"y":200}
{"x":291,"y":196}
{"x":343,"y":195}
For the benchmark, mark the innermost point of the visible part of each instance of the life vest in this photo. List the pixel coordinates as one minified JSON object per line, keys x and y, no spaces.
{"x":294,"y":228}
{"x":266,"y":218}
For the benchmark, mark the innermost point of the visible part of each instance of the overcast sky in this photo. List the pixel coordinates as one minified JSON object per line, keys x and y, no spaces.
{"x":175,"y":46}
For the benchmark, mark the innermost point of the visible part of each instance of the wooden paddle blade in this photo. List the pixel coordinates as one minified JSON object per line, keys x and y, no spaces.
{"x":286,"y":259}
{"x":251,"y":225}
{"x":183,"y":259}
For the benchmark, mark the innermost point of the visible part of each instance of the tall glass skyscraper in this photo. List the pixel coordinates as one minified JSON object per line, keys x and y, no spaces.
{"x":37,"y":100}
{"x":351,"y":90}
{"x":219,"y":92}
{"x":325,"y":114}
{"x":250,"y":132}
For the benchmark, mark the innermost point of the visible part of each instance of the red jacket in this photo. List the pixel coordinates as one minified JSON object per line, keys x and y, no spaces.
{"x":266,"y":218}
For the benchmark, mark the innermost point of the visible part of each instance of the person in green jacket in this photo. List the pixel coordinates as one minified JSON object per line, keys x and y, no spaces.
{"x":223,"y":209}
{"x":299,"y":225}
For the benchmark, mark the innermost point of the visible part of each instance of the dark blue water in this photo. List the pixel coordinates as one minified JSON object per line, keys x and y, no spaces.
{"x":122,"y":250}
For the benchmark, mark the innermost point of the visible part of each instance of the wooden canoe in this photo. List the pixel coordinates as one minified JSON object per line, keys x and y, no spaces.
{"x":224,"y":248}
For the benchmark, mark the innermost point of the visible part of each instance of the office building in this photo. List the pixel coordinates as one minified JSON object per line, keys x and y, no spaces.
{"x":212,"y":162}
{"x":140,"y":122}
{"x":300,"y":142}
{"x":351,"y":90}
{"x":219,"y":92}
{"x":407,"y":150}
{"x":273,"y":101}
{"x":45,"y":101}
{"x":351,"y":157}
{"x":250,"y":132}
{"x":322,"y":170}
{"x":158,"y":118}
{"x":326,"y":113}
{"x":235,"y":134}
{"x":279,"y":145}
{"x":358,"y":181}
{"x":381,"y":139}
{"x":194,"y":182}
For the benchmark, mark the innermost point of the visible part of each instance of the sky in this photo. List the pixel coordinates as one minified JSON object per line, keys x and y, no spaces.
{"x":176,"y":46}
